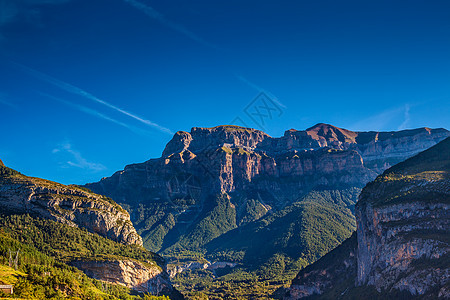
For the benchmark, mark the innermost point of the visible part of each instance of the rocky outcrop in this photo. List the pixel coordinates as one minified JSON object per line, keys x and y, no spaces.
{"x":402,"y":246}
{"x":174,"y":269}
{"x":70,"y":205}
{"x":200,"y":139}
{"x":145,"y":278}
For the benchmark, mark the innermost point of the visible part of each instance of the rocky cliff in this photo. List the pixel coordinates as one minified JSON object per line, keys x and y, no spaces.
{"x":241,"y":196}
{"x":402,"y":246}
{"x":142,"y":277}
{"x":70,"y":205}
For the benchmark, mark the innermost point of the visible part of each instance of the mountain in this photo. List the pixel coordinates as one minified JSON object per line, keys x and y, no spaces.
{"x":54,"y":227}
{"x":401,"y":246}
{"x":238,"y":195}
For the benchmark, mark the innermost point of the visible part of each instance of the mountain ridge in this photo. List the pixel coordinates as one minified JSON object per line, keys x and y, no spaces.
{"x":319,"y":135}
{"x":225,"y":159}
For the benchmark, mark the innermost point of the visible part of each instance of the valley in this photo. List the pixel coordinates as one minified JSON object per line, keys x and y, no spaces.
{"x":224,"y":150}
{"x":239,"y":197}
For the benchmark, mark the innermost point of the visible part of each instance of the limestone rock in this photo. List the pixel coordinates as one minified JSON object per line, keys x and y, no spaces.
{"x":145,"y":278}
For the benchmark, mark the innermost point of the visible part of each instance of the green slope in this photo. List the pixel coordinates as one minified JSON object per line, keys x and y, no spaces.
{"x":305,"y":230}
{"x":66,"y":243}
{"x":424,"y":176}
{"x":269,"y":252}
{"x":435,"y":159}
{"x":40,"y":276}
{"x":48,"y":247}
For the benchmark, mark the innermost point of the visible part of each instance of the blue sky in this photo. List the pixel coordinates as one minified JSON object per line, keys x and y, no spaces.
{"x":87,"y":87}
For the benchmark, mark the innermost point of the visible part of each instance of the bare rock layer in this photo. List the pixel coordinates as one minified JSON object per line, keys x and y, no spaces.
{"x":145,"y":278}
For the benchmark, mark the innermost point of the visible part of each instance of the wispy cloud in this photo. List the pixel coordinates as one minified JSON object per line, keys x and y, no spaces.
{"x":4,"y":101}
{"x":8,"y":11}
{"x":259,"y":89}
{"x":386,"y":120}
{"x":93,"y":113}
{"x":80,"y":92}
{"x":156,"y":15}
{"x":12,"y":10}
{"x":407,"y":118}
{"x":76,"y":159}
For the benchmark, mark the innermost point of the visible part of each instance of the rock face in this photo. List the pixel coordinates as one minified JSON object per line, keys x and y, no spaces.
{"x":70,"y":205}
{"x":404,"y":223}
{"x":402,"y":245}
{"x":132,"y":274}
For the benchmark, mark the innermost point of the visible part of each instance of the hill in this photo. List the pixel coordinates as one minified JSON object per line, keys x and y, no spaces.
{"x":66,"y":233}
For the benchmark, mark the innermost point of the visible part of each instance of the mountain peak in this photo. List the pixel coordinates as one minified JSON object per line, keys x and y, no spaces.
{"x":331,"y":133}
{"x":201,"y":138}
{"x":320,"y":125}
{"x":1,"y":163}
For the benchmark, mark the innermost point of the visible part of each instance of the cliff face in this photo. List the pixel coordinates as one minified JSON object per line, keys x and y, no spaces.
{"x":66,"y":204}
{"x":145,"y":278}
{"x":403,"y":225}
{"x":230,"y":157}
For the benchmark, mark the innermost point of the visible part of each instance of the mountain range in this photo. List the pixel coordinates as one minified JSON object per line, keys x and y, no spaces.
{"x":239,"y":196}
{"x":232,"y":205}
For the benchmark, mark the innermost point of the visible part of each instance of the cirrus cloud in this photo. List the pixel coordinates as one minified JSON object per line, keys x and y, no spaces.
{"x":73,"y":158}
{"x":13,"y":10}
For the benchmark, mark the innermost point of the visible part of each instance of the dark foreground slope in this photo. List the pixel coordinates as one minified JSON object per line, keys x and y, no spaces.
{"x":401,"y":249}
{"x":55,"y":228}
